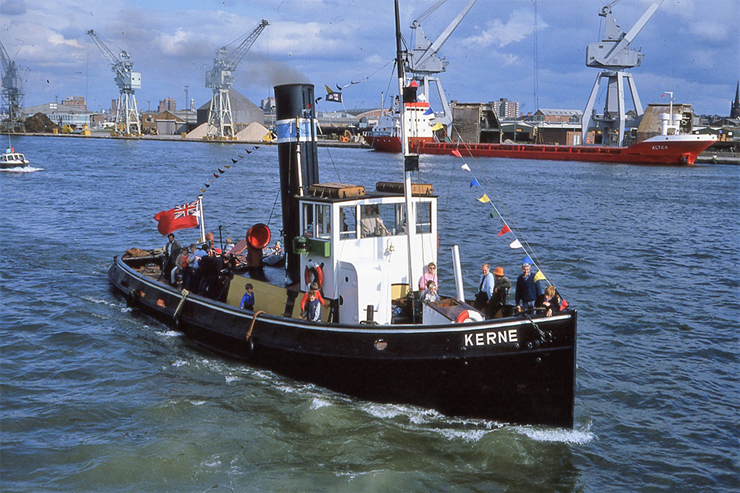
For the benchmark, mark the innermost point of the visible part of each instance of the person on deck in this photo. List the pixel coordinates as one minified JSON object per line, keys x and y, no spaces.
{"x":171,"y":250}
{"x":430,"y":295}
{"x":229,"y":246}
{"x":313,"y":307}
{"x":550,"y":301}
{"x":313,"y":287}
{"x":430,"y":274}
{"x":190,"y":268}
{"x":248,"y":298}
{"x":485,"y":288}
{"x":526,"y":290}
{"x":500,"y":291}
{"x":178,"y":268}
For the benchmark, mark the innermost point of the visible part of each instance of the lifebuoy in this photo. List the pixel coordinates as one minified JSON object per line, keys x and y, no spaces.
{"x":469,"y":316}
{"x":313,"y":274}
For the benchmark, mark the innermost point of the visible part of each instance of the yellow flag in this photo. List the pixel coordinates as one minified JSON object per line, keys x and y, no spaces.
{"x":484,"y":199}
{"x":437,"y":126}
{"x":539,"y":276}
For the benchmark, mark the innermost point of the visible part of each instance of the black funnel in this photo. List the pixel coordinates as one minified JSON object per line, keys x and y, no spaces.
{"x":299,"y":166}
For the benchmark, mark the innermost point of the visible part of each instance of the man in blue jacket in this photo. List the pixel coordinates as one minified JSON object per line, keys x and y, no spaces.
{"x":526,"y":290}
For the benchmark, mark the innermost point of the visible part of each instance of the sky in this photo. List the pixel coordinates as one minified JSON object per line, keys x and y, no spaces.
{"x":692,"y":48}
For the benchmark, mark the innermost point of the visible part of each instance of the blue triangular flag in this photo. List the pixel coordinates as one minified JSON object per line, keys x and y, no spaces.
{"x":527,"y":260}
{"x":474,"y":183}
{"x":429,"y":112}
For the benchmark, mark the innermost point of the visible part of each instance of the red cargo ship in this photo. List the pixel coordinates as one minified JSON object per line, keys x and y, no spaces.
{"x":669,"y":148}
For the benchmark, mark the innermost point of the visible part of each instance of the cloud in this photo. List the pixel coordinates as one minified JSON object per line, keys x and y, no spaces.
{"x":57,"y":39}
{"x":13,"y":7}
{"x":497,"y":33}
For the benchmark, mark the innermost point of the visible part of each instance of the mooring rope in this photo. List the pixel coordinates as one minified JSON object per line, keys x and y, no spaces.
{"x":251,"y":327}
{"x":185,"y":294}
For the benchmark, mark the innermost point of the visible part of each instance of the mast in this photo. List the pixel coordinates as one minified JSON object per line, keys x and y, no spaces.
{"x":410,"y":161}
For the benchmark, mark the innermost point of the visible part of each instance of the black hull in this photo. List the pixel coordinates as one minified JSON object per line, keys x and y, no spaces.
{"x":457,"y":369}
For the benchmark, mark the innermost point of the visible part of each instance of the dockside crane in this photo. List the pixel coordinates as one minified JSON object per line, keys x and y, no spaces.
{"x":12,"y":94}
{"x":128,"y":120}
{"x":220,"y":78}
{"x":613,"y":55}
{"x":424,"y":65}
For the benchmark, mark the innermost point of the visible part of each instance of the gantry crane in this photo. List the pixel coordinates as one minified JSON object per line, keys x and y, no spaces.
{"x":220,"y":78}
{"x":424,"y":65}
{"x":613,"y":54}
{"x":128,"y":120}
{"x":12,"y":95}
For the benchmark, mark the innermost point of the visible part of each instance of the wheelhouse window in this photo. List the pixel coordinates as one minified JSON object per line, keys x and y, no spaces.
{"x":382,"y":220}
{"x":423,"y":217}
{"x":347,"y":223}
{"x":308,"y":222}
{"x":317,"y":221}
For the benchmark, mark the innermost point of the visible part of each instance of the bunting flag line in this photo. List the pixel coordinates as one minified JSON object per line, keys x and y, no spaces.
{"x":484,"y":199}
{"x":474,"y":183}
{"x":180,"y":217}
{"x":455,"y":152}
{"x":515,"y":244}
{"x":539,"y":276}
{"x":504,"y":230}
{"x":465,"y":167}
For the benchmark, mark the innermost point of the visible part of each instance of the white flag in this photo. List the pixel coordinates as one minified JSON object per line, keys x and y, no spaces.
{"x":465,"y":167}
{"x":515,"y":244}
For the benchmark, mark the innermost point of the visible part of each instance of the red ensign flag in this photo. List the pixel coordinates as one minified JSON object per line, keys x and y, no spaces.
{"x":181,"y":217}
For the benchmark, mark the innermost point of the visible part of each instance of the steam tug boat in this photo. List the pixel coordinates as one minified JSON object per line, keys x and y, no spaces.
{"x":375,"y":340}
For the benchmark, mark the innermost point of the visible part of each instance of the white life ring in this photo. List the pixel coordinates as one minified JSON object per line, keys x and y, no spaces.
{"x":467,"y":316}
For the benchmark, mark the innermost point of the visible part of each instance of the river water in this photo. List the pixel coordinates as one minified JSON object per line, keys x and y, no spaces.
{"x":95,"y":396}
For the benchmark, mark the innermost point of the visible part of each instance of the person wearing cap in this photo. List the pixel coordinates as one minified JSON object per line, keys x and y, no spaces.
{"x":485,"y":288}
{"x":526,"y":289}
{"x":500,"y":292}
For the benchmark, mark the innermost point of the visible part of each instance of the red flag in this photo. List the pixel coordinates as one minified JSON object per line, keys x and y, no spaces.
{"x":181,"y":217}
{"x":455,"y":152}
{"x":563,"y":304}
{"x":504,"y":230}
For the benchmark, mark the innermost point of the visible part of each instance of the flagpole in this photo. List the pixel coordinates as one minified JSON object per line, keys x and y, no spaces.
{"x":202,"y":222}
{"x":410,"y":161}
